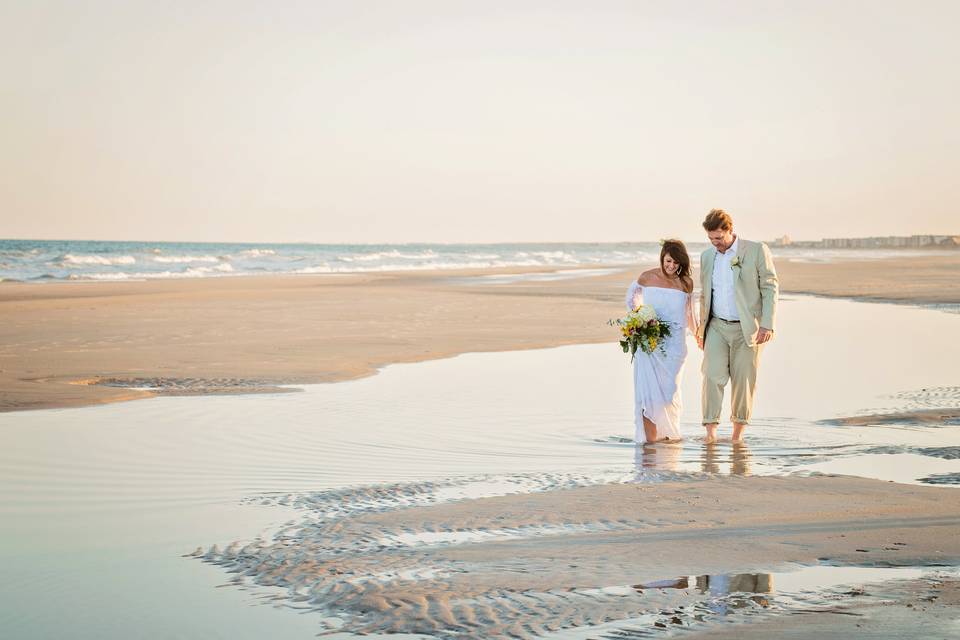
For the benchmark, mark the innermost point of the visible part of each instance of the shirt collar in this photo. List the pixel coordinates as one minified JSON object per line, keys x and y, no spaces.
{"x":732,"y":250}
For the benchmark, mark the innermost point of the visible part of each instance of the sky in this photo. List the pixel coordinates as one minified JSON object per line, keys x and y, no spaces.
{"x":481,"y":121}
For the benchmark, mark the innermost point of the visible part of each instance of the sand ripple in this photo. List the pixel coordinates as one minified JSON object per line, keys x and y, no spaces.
{"x":338,"y":503}
{"x":191,"y":386}
{"x":420,"y":558}
{"x":932,"y":406}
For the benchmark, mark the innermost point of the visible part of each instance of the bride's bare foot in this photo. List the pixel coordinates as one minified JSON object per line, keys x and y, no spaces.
{"x":663,"y":440}
{"x":649,"y":430}
{"x":711,"y":433}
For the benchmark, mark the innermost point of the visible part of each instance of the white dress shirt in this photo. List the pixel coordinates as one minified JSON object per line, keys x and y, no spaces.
{"x":724,"y":302}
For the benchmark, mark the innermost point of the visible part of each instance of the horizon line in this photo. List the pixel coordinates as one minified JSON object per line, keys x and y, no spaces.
{"x":443,"y":242}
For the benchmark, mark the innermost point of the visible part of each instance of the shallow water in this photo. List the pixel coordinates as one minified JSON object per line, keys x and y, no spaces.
{"x":731,"y":598}
{"x":111,"y":496}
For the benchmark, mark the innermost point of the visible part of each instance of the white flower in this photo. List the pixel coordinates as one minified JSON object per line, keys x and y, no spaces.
{"x":646,"y":313}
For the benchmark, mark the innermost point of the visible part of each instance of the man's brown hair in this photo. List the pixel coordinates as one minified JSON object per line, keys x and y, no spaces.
{"x":718,"y":219}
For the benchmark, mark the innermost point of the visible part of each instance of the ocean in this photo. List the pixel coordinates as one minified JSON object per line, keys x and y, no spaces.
{"x":58,"y":260}
{"x":39,"y":260}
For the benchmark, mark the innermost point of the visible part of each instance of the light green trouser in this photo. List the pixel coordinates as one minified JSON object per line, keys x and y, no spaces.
{"x":726,"y":357}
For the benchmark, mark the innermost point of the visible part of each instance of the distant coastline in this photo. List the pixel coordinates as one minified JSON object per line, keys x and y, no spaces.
{"x":876,"y":242}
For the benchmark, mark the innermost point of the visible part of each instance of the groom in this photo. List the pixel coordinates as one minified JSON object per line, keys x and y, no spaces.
{"x":738,"y":303}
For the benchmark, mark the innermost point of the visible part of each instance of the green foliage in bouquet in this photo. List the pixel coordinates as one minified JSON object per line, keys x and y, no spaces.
{"x":642,"y":330}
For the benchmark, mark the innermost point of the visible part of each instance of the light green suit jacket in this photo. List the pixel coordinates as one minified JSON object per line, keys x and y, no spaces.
{"x":755,"y":288}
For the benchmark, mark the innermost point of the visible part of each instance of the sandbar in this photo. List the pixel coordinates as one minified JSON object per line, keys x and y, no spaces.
{"x":528,"y":564}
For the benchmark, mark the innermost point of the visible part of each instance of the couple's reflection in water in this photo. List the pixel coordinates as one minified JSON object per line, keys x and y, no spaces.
{"x":732,"y":458}
{"x":726,"y":591}
{"x":713,"y":457}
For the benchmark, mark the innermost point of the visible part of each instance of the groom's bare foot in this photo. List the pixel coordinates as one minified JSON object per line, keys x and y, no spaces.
{"x":738,"y":428}
{"x":711,"y":433}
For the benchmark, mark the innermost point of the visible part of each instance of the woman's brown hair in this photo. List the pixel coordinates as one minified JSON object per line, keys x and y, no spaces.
{"x":678,"y":251}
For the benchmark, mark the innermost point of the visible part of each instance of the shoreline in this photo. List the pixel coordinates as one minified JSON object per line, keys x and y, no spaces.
{"x":241,"y":334}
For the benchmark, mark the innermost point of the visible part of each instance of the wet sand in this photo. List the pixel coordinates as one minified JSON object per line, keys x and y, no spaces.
{"x":529,"y":564}
{"x":918,"y":609}
{"x":918,"y":417}
{"x":82,"y":343}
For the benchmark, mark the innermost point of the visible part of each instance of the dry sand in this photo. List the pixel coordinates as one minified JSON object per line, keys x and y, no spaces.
{"x":245,"y":334}
{"x":933,"y":279}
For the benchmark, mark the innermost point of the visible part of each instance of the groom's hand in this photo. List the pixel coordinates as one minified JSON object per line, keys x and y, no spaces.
{"x":764,"y":335}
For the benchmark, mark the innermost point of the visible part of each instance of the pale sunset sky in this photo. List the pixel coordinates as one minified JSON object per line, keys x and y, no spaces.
{"x":480,"y":121}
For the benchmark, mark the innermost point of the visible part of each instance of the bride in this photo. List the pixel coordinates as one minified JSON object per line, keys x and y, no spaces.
{"x":656,"y":376}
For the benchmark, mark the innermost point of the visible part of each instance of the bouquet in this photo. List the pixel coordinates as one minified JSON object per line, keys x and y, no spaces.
{"x":641,"y":329}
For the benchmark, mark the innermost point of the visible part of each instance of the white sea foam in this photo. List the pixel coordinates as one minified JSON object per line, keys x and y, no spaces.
{"x":122,"y":275}
{"x":258,"y":252}
{"x":380,"y":255}
{"x":192,"y":272}
{"x":81,"y":260}
{"x":185,"y":259}
{"x":555,"y":255}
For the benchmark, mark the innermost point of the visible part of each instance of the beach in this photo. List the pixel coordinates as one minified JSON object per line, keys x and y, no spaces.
{"x":472,"y":471}
{"x":82,"y":343}
{"x":311,"y":319}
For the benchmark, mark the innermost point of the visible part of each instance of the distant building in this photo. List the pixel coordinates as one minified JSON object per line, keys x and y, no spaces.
{"x":886,"y":242}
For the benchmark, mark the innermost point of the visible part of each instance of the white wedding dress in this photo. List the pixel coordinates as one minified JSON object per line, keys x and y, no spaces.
{"x":656,"y":376}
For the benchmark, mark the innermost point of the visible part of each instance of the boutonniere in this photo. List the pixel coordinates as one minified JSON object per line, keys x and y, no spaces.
{"x":735,"y":262}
